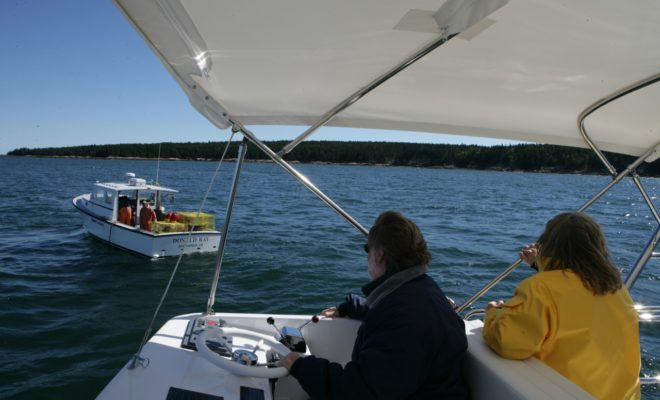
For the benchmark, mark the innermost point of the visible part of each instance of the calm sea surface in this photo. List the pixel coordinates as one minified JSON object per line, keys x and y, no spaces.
{"x":73,"y":310}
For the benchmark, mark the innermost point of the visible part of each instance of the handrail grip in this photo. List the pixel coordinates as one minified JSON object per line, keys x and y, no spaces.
{"x":474,"y":312}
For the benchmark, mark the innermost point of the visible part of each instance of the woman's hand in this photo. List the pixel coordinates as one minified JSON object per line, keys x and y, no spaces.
{"x":529,"y":253}
{"x":288,"y":361}
{"x":330,"y":312}
{"x":494,"y":304}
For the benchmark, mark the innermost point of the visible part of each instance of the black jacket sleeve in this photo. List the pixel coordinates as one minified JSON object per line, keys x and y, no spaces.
{"x":353,"y":307}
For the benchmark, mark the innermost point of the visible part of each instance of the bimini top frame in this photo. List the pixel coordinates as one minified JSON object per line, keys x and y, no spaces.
{"x":523,"y":59}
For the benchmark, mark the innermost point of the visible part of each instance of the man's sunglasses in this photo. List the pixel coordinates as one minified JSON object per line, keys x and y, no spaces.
{"x":366,"y":248}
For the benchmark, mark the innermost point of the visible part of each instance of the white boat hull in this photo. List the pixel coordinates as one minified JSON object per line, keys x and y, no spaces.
{"x":172,"y":366}
{"x":144,"y":242}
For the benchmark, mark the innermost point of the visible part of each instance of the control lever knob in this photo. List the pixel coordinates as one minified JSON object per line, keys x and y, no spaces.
{"x":271,"y":321}
{"x":314,"y":319}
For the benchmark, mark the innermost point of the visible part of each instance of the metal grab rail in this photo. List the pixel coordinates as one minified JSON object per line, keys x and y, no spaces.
{"x":649,"y":380}
{"x":488,"y":286}
{"x":472,"y":313}
{"x":648,"y":313}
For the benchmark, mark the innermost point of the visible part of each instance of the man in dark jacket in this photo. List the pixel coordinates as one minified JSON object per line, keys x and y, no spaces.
{"x":411,"y":342}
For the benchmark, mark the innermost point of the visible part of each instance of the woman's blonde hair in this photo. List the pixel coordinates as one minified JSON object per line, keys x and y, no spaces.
{"x":574,"y":241}
{"x":401,"y":241}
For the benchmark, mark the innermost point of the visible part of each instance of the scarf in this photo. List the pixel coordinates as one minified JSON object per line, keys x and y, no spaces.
{"x":394,"y":282}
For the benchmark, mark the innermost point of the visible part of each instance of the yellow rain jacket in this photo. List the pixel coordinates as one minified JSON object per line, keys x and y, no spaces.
{"x":591,"y":340}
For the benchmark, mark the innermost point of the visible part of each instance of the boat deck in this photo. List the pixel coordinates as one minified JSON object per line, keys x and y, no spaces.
{"x":490,"y":376}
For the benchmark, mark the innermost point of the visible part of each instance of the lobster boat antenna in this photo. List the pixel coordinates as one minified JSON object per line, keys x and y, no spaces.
{"x":158,"y":164}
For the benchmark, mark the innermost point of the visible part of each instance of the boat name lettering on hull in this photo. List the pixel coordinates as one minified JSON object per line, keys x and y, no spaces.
{"x":190,"y":240}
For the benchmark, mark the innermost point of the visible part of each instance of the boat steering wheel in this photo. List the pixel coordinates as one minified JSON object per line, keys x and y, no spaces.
{"x":236,"y":367}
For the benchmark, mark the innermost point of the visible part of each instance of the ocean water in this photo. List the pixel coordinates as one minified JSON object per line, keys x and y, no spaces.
{"x":73,"y":310}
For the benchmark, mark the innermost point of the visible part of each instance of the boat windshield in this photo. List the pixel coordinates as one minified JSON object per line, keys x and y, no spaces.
{"x":102,"y":196}
{"x":159,"y":201}
{"x":149,"y":197}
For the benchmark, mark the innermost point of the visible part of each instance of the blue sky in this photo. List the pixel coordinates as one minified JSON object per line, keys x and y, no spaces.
{"x":74,"y":72}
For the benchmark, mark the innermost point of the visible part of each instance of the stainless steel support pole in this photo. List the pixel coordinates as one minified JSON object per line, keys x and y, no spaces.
{"x":650,"y":380}
{"x":646,"y":197}
{"x":225,"y":228}
{"x":600,"y":103}
{"x":347,"y":102}
{"x":643,"y":258}
{"x":619,"y":177}
{"x":595,"y":149}
{"x":303,"y":179}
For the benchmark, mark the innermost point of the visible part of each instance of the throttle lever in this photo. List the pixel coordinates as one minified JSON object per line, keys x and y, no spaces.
{"x":314,"y":319}
{"x":271,"y":321}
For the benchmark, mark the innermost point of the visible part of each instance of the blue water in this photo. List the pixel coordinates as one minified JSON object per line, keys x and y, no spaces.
{"x":73,"y":310}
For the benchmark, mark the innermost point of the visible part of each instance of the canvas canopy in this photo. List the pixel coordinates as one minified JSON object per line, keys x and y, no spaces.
{"x":524,"y":72}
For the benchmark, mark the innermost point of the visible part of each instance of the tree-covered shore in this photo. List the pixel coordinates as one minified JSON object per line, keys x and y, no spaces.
{"x":521,"y":157}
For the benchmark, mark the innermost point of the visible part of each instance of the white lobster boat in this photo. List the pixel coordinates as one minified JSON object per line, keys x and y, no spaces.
{"x":584,"y":73}
{"x":185,"y":233}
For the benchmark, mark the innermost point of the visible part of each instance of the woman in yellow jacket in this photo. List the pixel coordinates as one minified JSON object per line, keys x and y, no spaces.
{"x":574,"y":315}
